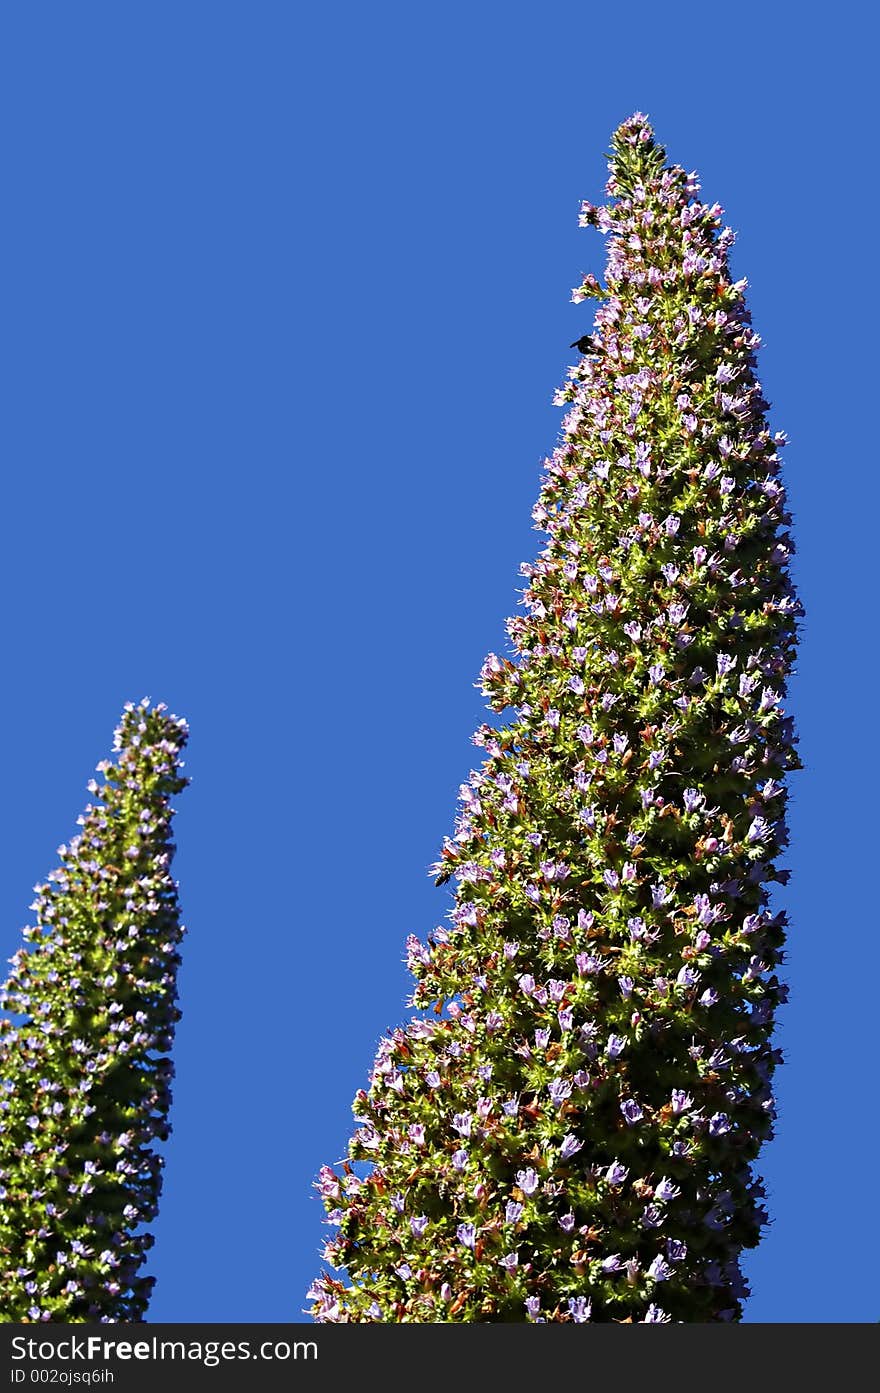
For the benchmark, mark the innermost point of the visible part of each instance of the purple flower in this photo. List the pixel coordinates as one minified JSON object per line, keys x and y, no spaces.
{"x":681,"y":1101}
{"x":676,"y":1249}
{"x":417,"y":952}
{"x":559,"y":1090}
{"x":705,"y":911}
{"x":510,"y":1261}
{"x":570,"y":1146}
{"x":542,"y":1039}
{"x":719,"y":1123}
{"x":615,"y":1047}
{"x":418,"y":1226}
{"x":666,"y":1190}
{"x":631,"y":1111}
{"x":692,"y":799}
{"x":327,"y":1183}
{"x":656,"y":672}
{"x":660,"y":895}
{"x":467,"y":1235}
{"x":654,"y":1316}
{"x":626,"y":986}
{"x":660,"y":1271}
{"x":565,"y":1018}
{"x":527,"y":1180}
{"x":533,"y":1307}
{"x":417,"y":1134}
{"x":580,"y":1309}
{"x":460,"y":1159}
{"x":611,"y":878}
{"x":612,"y":1263}
{"x":527,"y":983}
{"x":759,"y":829}
{"x":462,"y":1123}
{"x":616,"y":1173}
{"x":512,"y":1211}
{"x":566,"y":1223}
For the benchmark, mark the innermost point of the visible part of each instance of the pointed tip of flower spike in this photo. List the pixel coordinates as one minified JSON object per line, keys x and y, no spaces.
{"x":634,"y":156}
{"x":635,"y":130}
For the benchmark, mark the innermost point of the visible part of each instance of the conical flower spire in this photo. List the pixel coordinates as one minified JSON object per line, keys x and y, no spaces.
{"x":567,"y":1133}
{"x":85,"y":1071}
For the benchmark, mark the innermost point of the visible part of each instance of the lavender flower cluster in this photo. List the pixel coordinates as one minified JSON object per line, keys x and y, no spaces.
{"x":84,"y":1054}
{"x":566,"y":1131}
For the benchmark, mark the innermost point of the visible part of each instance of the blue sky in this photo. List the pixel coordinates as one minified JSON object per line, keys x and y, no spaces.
{"x":286,"y":297}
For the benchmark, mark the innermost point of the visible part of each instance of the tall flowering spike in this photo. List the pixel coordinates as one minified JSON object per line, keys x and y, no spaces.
{"x":568,"y":1135}
{"x":84,"y":1064}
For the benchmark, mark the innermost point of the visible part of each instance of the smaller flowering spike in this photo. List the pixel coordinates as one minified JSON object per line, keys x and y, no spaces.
{"x":84,"y":1060}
